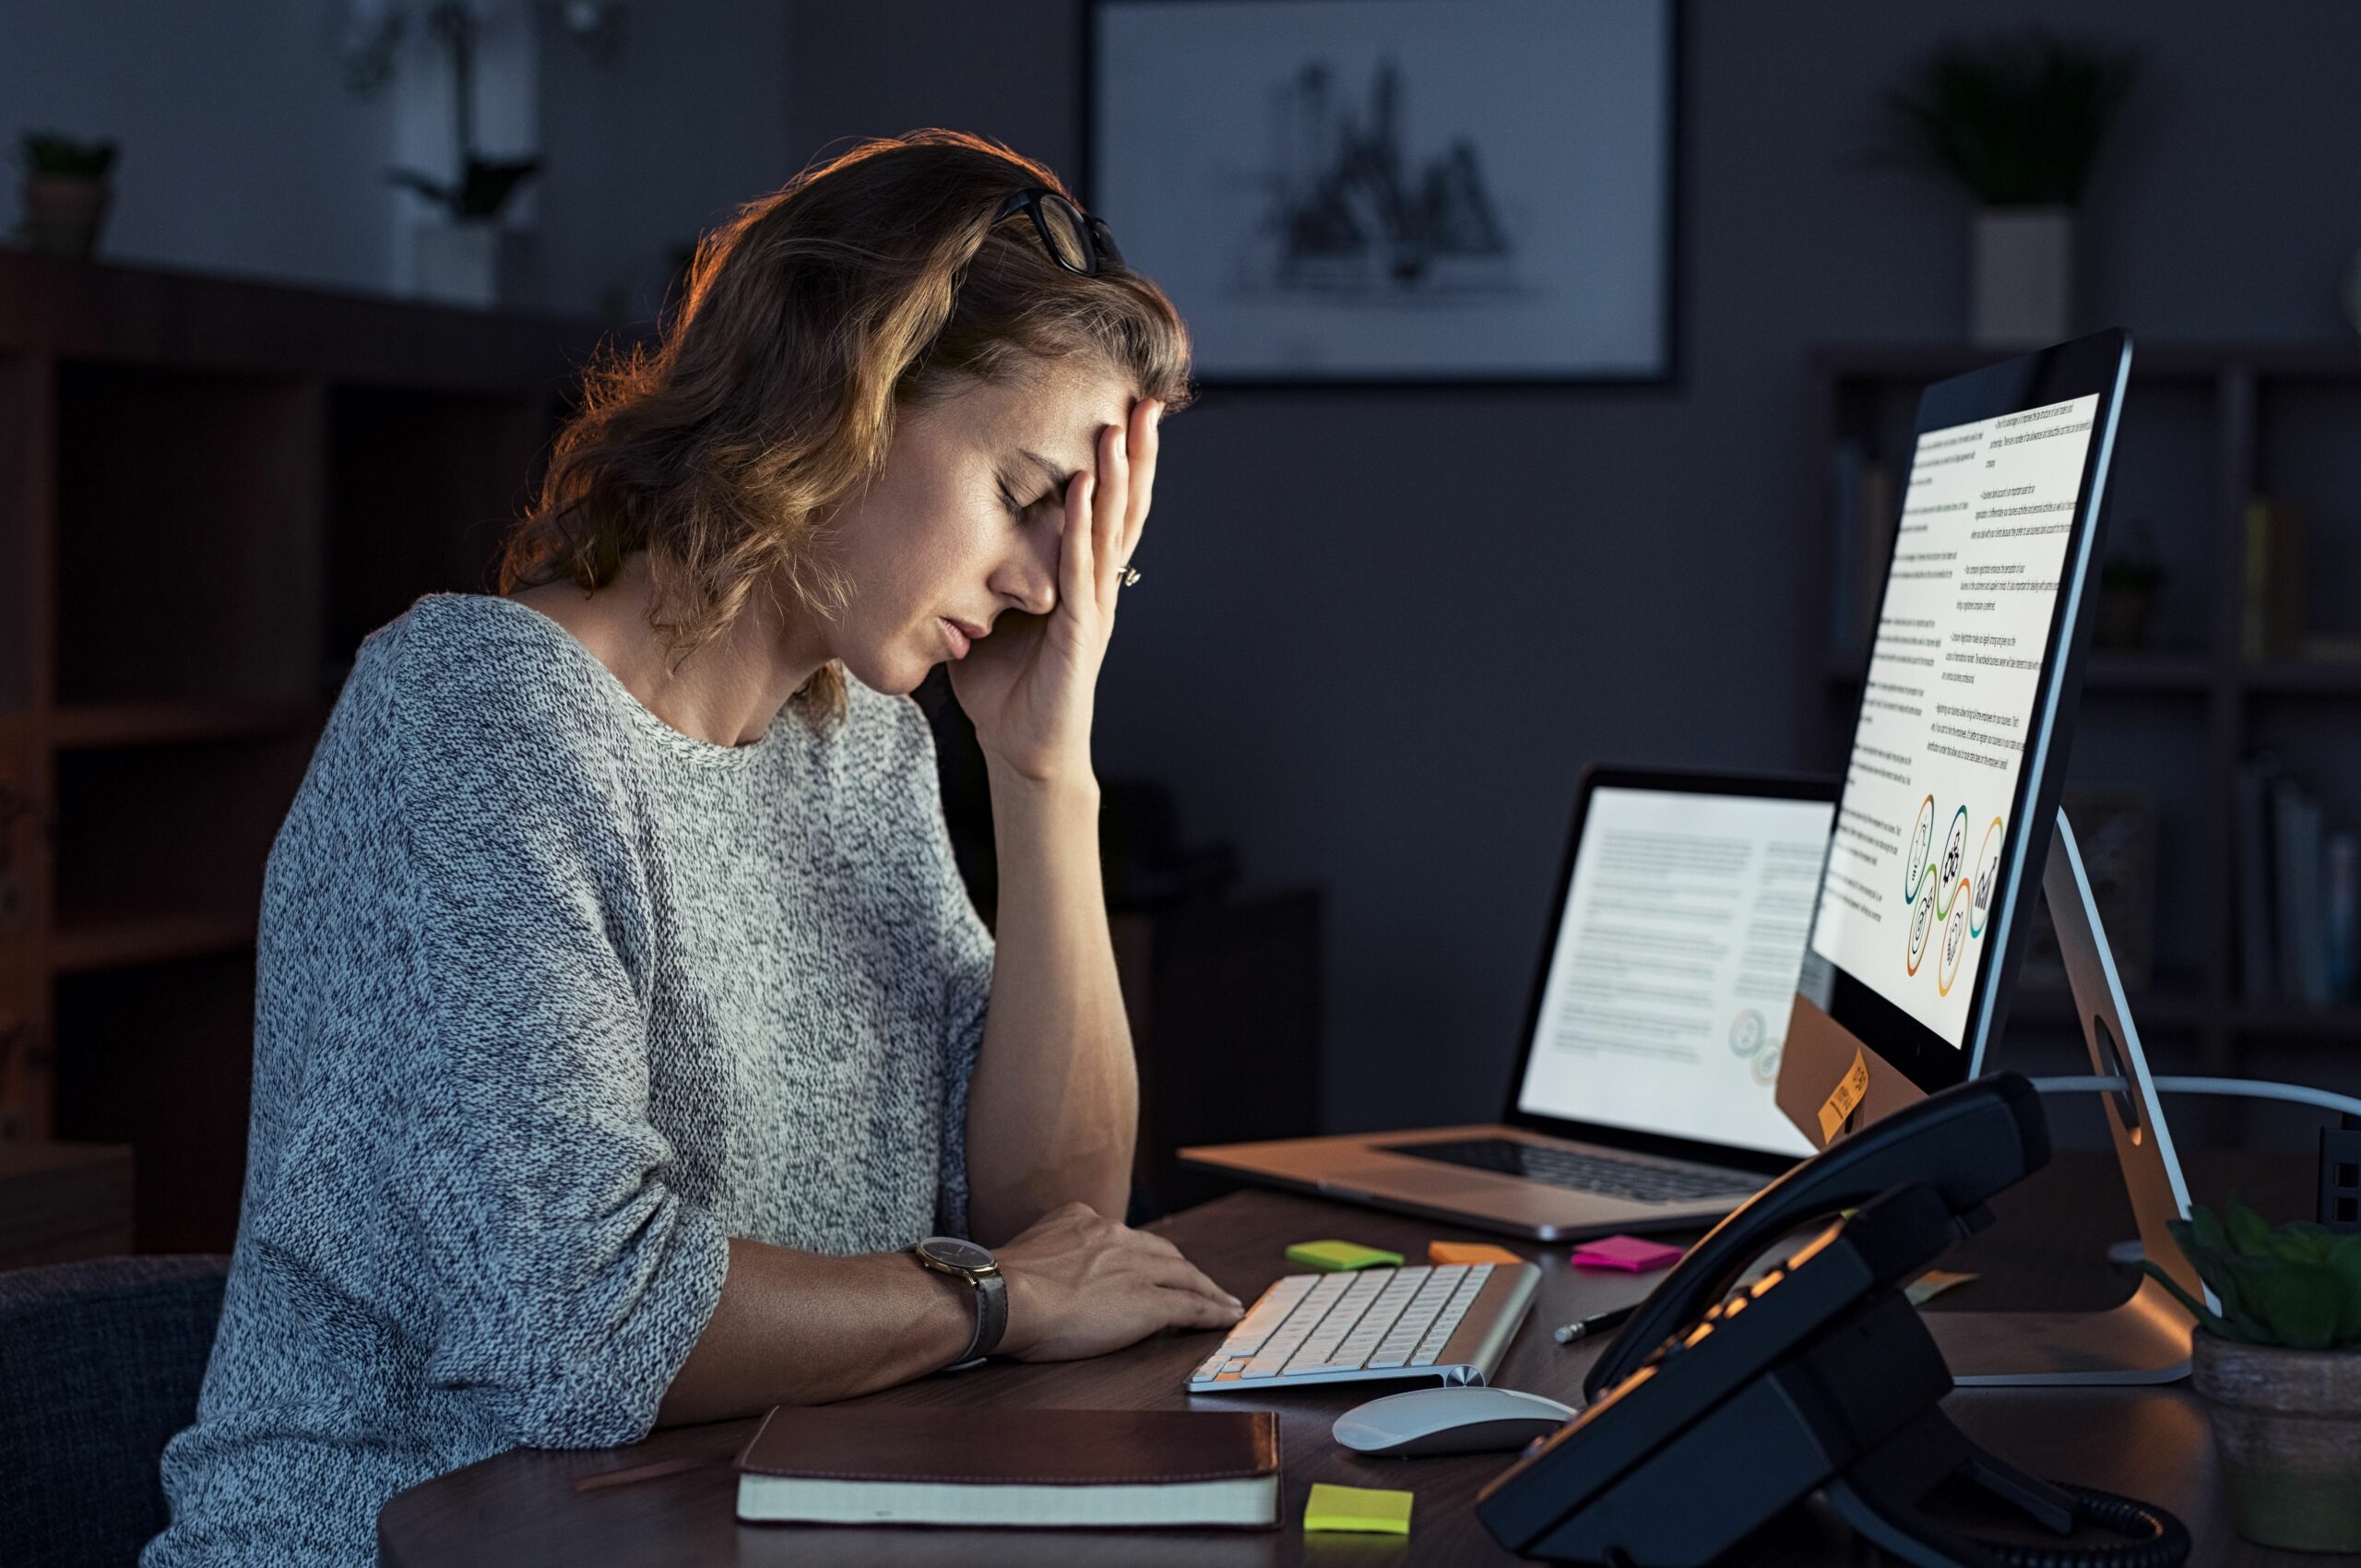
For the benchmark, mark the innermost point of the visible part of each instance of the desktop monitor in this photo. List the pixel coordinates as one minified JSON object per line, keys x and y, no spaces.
{"x":1959,"y":749}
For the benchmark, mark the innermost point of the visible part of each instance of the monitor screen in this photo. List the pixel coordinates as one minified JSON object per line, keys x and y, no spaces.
{"x":1668,"y":987}
{"x":1952,"y":689}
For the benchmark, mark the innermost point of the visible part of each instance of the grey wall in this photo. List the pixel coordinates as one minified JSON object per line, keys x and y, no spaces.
{"x":647,"y":153}
{"x":242,"y":152}
{"x":1380,"y":632}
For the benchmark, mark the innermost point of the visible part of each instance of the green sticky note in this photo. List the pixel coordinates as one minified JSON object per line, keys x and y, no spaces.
{"x":1336,"y":1257}
{"x":1357,"y":1508}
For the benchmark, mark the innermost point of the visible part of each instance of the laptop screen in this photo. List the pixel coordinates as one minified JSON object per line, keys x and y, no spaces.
{"x":1677,"y":948}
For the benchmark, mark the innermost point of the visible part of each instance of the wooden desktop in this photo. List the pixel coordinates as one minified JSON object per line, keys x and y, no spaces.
{"x":527,"y":1507}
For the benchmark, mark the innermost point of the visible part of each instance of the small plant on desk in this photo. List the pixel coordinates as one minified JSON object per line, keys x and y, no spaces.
{"x":2279,"y":1368}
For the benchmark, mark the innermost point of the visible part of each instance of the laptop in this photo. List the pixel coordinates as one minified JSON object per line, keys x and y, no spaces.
{"x":1644,"y":1094}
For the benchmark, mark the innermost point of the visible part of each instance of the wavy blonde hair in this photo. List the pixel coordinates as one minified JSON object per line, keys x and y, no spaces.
{"x":871,"y":282}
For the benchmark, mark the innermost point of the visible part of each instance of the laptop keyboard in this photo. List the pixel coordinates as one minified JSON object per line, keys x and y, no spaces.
{"x":1599,"y":1174}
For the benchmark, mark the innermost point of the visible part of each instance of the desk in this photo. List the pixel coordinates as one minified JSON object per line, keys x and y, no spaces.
{"x":519,"y":1510}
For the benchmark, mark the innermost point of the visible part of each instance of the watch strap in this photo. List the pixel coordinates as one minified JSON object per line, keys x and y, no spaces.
{"x":992,"y":1314}
{"x":989,"y":1289}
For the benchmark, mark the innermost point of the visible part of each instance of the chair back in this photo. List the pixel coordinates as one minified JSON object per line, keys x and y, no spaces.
{"x":99,"y":1365}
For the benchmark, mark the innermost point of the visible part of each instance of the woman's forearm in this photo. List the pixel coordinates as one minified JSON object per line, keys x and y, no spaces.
{"x":1053,"y":1108}
{"x":803,"y":1328}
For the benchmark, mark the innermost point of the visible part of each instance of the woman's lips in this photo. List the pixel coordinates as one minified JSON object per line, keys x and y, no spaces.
{"x":957,"y":639}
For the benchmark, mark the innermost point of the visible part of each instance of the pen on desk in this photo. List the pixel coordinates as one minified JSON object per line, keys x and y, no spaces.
{"x":1597,"y":1323}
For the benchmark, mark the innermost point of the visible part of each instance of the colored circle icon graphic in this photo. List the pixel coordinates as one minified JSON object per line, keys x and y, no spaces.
{"x":1923,"y":920}
{"x":1954,"y":849}
{"x":1955,"y":941}
{"x":1922,"y":844}
{"x":1745,"y":1032}
{"x":1766,"y":1066}
{"x":1988,"y":869}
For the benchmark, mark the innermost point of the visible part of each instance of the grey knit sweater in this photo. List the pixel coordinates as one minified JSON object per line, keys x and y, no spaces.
{"x":551,"y":1000}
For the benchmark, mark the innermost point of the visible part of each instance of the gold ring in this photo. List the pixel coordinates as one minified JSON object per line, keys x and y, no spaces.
{"x":1131,"y":574}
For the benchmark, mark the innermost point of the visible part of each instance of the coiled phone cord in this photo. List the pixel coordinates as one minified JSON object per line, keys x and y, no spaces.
{"x":2158,"y":1539}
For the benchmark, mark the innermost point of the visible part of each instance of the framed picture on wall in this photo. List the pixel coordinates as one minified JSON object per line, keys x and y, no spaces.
{"x":1357,"y":191}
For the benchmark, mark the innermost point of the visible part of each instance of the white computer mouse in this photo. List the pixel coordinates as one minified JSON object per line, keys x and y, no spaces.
{"x":1450,"y":1421}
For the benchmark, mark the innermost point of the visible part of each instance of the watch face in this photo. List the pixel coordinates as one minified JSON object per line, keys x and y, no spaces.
{"x":956,"y":1254}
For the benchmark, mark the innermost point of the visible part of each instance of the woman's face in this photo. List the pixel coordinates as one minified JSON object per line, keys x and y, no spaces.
{"x":963,"y":521}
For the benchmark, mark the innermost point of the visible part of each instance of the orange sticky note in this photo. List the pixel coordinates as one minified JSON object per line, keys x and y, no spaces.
{"x":1843,"y":1100}
{"x":1469,"y":1251}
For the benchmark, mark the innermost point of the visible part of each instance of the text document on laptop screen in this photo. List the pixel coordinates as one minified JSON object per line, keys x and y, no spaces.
{"x":1953,"y":680}
{"x":1675,"y":965}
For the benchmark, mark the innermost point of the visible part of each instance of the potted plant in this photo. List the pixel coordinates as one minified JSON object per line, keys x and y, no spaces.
{"x":2279,"y":1368}
{"x":472,"y":259}
{"x":2017,"y":123}
{"x":65,"y":192}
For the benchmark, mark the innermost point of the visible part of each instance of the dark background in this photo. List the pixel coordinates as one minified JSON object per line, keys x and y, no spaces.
{"x":1383,"y":630}
{"x":1380,"y":630}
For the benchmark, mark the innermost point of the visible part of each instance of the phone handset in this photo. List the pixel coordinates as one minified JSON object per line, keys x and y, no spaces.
{"x":1966,"y":1143}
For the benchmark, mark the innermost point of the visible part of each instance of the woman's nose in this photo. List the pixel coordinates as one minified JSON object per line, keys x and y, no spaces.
{"x":1032,"y":581}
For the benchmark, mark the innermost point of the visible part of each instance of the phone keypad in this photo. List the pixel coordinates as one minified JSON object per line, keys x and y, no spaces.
{"x":1715,"y":1315}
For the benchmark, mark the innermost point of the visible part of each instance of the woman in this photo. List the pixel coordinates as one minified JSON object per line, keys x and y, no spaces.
{"x":621,"y":1023}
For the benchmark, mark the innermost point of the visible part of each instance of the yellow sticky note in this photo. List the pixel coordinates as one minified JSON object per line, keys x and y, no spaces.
{"x":1339,"y":1256}
{"x":1847,"y":1095}
{"x":1357,"y":1508}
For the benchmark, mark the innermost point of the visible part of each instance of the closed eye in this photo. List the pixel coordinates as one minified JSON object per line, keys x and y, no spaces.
{"x":1021,"y":509}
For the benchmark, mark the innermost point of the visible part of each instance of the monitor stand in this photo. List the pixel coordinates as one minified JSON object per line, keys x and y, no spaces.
{"x":2145,"y":1340}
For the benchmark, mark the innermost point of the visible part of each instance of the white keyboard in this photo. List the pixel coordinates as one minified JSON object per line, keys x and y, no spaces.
{"x":1452,"y":1322}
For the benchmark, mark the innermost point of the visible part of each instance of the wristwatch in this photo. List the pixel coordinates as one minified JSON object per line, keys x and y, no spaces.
{"x":965,"y":1260}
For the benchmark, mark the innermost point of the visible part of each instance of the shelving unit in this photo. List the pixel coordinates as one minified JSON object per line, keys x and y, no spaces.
{"x":210,"y":491}
{"x":2205,"y":428}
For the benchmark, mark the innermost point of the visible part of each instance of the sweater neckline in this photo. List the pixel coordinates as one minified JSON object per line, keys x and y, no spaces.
{"x":708,"y":753}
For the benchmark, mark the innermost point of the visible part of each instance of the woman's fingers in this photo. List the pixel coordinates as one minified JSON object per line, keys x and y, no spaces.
{"x":1147,"y":440}
{"x":1107,"y":536}
{"x":1178,"y":1274}
{"x":1077,"y":562}
{"x":1189,"y":1309}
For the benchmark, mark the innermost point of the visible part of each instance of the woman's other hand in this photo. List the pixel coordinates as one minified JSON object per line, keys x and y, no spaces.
{"x":1028,"y":688}
{"x":1079,"y":1283}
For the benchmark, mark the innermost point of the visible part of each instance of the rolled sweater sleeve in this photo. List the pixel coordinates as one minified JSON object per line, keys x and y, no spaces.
{"x":567,"y":1281}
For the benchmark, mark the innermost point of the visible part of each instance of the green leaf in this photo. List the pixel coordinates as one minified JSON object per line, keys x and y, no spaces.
{"x":2300,"y":1305}
{"x":2249,"y":1232}
{"x":2298,"y":1284}
{"x":2301,"y":1241}
{"x":2344,"y":1262}
{"x":2204,"y":1231}
{"x":2247,"y":1329}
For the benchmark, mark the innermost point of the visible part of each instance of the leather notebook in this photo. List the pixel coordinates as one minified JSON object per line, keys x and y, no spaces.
{"x":872,"y":1465}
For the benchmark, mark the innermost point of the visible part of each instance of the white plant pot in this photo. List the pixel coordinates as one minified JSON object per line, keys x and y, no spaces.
{"x":2023,"y":276}
{"x":473,"y":262}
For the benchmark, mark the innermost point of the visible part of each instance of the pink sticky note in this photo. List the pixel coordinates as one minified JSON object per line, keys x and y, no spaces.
{"x":1629,"y":1253}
